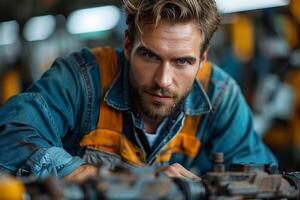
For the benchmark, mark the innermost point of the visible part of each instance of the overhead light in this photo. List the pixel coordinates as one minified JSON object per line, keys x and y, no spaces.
{"x":93,"y":19}
{"x":9,"y":32}
{"x":39,"y":28}
{"x":230,"y":6}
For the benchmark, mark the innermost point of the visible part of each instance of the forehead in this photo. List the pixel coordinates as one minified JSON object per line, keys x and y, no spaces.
{"x":169,"y":37}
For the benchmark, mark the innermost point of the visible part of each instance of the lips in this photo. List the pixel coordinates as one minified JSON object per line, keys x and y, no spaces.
{"x":159,"y":98}
{"x":159,"y":95}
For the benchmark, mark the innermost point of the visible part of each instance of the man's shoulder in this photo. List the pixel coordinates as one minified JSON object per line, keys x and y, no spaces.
{"x":92,"y":55}
{"x":219,"y":76}
{"x":221,"y":80}
{"x":83,"y":56}
{"x":222,"y":87}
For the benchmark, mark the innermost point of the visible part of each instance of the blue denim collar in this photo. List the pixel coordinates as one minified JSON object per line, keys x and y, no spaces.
{"x":117,"y":96}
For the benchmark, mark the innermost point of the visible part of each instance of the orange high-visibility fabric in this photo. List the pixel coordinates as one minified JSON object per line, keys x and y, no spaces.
{"x":108,"y":135}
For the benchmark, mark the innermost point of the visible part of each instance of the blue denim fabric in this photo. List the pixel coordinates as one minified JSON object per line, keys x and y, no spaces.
{"x":40,"y":129}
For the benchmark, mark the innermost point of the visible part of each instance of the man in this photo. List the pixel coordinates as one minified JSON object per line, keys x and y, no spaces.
{"x":156,"y":103}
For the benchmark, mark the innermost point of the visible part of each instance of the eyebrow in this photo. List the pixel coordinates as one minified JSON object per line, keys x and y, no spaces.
{"x":145,"y":49}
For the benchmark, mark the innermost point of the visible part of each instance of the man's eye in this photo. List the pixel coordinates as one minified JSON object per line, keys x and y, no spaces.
{"x":183,"y":62}
{"x":149,"y":56}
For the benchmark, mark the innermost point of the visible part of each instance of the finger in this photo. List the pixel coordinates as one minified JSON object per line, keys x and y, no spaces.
{"x":189,"y":174}
{"x":169,"y":170}
{"x":173,"y":174}
{"x":186,"y":173}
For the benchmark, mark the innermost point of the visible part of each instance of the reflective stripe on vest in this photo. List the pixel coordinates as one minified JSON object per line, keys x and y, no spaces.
{"x":108,"y":135}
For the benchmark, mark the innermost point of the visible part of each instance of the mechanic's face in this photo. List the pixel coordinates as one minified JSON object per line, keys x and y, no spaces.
{"x":164,"y":62}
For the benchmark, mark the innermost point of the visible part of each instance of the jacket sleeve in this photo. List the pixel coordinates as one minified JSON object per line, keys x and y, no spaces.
{"x":230,"y":128}
{"x":34,"y":123}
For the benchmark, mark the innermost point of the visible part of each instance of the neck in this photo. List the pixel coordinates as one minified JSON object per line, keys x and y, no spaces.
{"x":150,"y":124}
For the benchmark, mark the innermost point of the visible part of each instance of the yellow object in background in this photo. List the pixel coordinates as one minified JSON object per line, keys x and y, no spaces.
{"x":11,"y":188}
{"x":10,"y":84}
{"x":293,"y":78}
{"x":295,"y":9}
{"x":291,"y":31}
{"x":242,"y":36}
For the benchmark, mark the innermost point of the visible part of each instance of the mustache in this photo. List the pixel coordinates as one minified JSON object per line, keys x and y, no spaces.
{"x":159,"y":91}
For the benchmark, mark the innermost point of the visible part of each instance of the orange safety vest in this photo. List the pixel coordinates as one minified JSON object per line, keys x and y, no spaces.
{"x":108,"y":135}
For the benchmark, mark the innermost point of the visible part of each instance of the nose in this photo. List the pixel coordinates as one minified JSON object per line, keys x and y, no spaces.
{"x":163,"y":75}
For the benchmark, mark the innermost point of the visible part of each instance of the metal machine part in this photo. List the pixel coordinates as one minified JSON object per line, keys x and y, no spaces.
{"x":241,"y":181}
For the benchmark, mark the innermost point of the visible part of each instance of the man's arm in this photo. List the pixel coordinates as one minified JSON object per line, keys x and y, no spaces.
{"x":33,"y":124}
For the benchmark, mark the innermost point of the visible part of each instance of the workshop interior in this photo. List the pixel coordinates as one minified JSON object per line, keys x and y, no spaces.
{"x":258,"y":44}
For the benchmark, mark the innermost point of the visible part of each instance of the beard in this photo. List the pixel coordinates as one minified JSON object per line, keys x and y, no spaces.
{"x":155,"y":110}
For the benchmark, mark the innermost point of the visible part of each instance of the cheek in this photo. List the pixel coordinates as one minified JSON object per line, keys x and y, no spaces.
{"x":184,"y":80}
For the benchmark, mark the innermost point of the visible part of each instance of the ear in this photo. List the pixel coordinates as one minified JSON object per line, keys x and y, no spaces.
{"x":127,"y":45}
{"x":204,"y":56}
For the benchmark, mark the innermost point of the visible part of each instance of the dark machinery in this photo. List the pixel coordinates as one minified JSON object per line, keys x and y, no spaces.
{"x":241,"y":181}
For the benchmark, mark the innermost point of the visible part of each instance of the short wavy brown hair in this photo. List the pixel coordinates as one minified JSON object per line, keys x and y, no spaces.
{"x":141,"y":12}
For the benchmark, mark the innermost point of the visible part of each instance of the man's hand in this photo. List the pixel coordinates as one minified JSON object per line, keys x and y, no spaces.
{"x":177,"y":170}
{"x":82,"y":173}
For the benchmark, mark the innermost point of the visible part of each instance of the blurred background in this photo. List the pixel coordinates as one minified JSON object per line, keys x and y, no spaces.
{"x":257,"y":43}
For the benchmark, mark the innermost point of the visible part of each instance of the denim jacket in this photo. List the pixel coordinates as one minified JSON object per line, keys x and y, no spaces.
{"x":40,"y":129}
